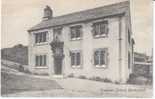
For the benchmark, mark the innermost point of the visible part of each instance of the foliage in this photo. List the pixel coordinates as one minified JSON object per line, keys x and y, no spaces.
{"x":107,"y":80}
{"x":97,"y":78}
{"x":82,"y":77}
{"x":139,"y":80}
{"x":71,"y":75}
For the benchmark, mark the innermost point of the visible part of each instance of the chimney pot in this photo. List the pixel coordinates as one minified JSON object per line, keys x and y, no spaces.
{"x":48,"y":13}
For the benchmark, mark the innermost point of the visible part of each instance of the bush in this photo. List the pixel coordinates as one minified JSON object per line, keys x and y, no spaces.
{"x":132,"y":76}
{"x":100,"y":79}
{"x":139,"y":80}
{"x":27,"y":71}
{"x":41,"y":74}
{"x":91,"y":78}
{"x":82,"y":77}
{"x":116,"y":82}
{"x":133,"y":79}
{"x":21,"y":68}
{"x":71,"y":75}
{"x":95,"y":78}
{"x":107,"y":80}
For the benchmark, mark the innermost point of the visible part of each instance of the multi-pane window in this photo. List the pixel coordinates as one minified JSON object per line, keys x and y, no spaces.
{"x":129,"y":60}
{"x":100,"y":29}
{"x":75,"y":58}
{"x":40,"y":60}
{"x":129,"y":36}
{"x":57,"y":33}
{"x":100,"y":57}
{"x":41,"y":37}
{"x":76,"y":32}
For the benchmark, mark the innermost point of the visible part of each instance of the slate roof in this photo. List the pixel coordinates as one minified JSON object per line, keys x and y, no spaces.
{"x":100,"y":12}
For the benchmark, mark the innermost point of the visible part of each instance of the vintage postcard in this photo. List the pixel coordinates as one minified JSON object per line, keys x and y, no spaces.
{"x":77,"y":48}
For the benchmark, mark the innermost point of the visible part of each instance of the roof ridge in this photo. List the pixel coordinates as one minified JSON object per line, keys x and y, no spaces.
{"x":104,"y":6}
{"x":102,"y":11}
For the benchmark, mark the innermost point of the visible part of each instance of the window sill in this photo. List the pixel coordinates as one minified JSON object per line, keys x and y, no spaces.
{"x":40,"y":44}
{"x":100,"y":36}
{"x":41,"y":67}
{"x":76,"y":67}
{"x":100,"y":66}
{"x":76,"y":39}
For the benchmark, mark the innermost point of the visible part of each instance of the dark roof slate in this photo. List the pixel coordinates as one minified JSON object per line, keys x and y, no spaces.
{"x":113,"y":9}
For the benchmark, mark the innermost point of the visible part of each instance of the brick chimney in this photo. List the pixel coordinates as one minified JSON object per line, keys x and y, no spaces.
{"x":48,"y":13}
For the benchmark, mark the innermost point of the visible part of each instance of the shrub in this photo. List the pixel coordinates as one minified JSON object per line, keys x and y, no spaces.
{"x":139,"y":80}
{"x":92,"y":78}
{"x":71,"y":75}
{"x":82,"y":77}
{"x":44,"y":74}
{"x":34,"y":73}
{"x":100,"y":79}
{"x":41,"y":74}
{"x":107,"y":80}
{"x":21,"y":68}
{"x":116,"y":82}
{"x":96,"y":78}
{"x":27,"y":71}
{"x":132,"y":79}
{"x":132,"y":76}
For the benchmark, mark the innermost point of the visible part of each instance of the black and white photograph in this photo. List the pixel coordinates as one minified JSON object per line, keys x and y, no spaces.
{"x":77,"y":48}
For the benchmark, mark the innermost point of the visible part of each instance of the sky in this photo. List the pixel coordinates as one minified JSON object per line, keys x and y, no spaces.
{"x":19,"y":15}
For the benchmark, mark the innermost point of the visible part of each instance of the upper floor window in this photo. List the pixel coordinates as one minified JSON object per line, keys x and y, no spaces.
{"x":76,"y":32}
{"x":129,"y":60}
{"x":129,"y":36}
{"x":41,"y":37}
{"x":57,"y":33}
{"x":100,"y":29}
{"x":40,"y":60}
{"x":75,"y":58}
{"x":100,"y":57}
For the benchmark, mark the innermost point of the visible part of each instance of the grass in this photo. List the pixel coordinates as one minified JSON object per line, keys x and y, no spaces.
{"x":11,"y":83}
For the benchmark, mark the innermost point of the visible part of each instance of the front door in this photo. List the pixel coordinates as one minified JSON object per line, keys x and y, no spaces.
{"x":57,"y":48}
{"x":58,"y":66}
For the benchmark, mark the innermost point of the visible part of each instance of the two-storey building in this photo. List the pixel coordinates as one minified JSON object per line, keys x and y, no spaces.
{"x":94,"y":43}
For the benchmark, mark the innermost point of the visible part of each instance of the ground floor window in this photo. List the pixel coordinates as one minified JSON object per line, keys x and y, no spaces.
{"x":40,"y":60}
{"x":75,"y":58}
{"x":129,"y":60}
{"x":100,"y":57}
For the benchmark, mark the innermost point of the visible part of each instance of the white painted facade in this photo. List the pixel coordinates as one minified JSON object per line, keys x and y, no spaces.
{"x":116,"y":42}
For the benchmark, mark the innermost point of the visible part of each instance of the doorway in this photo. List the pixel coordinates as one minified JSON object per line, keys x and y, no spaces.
{"x":57,"y":66}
